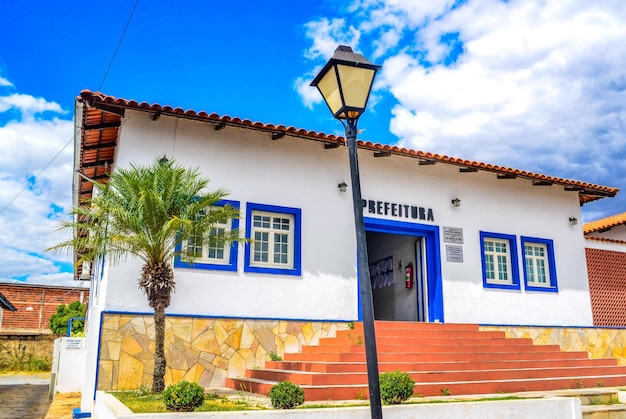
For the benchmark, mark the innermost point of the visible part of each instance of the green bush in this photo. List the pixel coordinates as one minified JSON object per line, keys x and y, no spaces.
{"x":396,"y":387}
{"x":183,"y":397}
{"x":59,"y":320}
{"x":286,"y":395}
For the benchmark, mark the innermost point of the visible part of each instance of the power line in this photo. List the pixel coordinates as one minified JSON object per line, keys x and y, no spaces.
{"x":119,"y":43}
{"x":36,"y":176}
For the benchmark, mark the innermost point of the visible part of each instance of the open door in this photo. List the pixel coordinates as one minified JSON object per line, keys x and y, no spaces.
{"x":404,"y":270}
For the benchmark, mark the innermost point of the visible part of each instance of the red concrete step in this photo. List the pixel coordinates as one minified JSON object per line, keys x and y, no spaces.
{"x":436,"y":357}
{"x":360,"y":391}
{"x":427,"y":347}
{"x":356,"y":378}
{"x":338,"y":367}
{"x":428,"y":333}
{"x":434,"y":339}
{"x":442,"y":358}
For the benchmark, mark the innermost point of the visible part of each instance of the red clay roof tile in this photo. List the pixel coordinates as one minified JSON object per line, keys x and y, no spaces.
{"x":604,"y":223}
{"x":587,"y":191}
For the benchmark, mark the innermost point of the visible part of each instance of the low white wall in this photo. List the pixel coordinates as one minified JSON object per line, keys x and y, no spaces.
{"x":108,"y":407}
{"x":72,"y":358}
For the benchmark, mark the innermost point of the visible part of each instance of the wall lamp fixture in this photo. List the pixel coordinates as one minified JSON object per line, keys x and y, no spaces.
{"x":456,"y":202}
{"x":343,"y":186}
{"x":573,"y":220}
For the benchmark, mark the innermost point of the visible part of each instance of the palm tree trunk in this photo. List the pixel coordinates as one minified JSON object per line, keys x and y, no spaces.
{"x":157,"y":281}
{"x":158,"y":376}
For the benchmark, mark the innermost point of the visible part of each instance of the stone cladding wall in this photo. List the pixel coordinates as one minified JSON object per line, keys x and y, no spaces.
{"x":201,"y":350}
{"x":597,"y":342}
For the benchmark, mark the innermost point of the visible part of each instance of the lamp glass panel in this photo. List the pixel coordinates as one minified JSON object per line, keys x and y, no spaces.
{"x":356,"y":83}
{"x":330,"y":90}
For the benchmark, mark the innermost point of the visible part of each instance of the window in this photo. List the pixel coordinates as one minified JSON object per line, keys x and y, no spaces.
{"x":539,"y":266}
{"x":499,"y":261}
{"x":275,"y":234}
{"x":216,"y":254}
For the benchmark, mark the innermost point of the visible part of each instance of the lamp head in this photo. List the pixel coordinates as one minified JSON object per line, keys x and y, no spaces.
{"x":345,"y":83}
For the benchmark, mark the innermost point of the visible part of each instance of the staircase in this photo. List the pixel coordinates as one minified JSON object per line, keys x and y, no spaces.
{"x":444,"y":359}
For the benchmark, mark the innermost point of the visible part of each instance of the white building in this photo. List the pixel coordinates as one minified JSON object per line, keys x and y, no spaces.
{"x":481,"y":243}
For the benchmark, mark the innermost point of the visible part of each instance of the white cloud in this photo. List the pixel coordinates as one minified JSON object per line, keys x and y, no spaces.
{"x":534,"y":84}
{"x":5,"y":82}
{"x":38,"y":199}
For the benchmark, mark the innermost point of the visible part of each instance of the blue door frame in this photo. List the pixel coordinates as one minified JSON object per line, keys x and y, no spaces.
{"x":433,"y":258}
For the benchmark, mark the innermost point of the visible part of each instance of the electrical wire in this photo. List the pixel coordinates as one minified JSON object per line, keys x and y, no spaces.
{"x":34,"y":179}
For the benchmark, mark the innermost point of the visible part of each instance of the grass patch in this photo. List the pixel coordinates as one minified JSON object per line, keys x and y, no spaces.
{"x":143,"y":401}
{"x":19,"y":358}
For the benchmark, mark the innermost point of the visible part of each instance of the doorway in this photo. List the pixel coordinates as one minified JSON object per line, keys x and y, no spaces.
{"x":405,"y":268}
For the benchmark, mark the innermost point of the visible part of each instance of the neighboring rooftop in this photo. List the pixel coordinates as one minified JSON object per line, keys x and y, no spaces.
{"x":102,"y":116}
{"x":604,"y":224}
{"x":6,"y":304}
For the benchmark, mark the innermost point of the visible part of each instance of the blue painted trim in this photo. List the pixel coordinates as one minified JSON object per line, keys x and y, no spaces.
{"x":234,"y":248}
{"x":95,"y":386}
{"x":433,"y":257}
{"x":77,"y":414}
{"x":551,"y":264}
{"x":217,"y":316}
{"x":297,"y":239}
{"x":514,"y":262}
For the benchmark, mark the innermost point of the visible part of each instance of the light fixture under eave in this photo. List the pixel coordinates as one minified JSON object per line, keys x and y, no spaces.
{"x":573,"y":221}
{"x":343,"y":186}
{"x":456,"y":202}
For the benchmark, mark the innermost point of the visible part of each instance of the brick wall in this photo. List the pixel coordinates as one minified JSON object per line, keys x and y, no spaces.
{"x":607,"y":285}
{"x":35,"y":304}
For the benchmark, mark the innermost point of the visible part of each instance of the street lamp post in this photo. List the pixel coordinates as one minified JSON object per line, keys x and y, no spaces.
{"x":345,"y":83}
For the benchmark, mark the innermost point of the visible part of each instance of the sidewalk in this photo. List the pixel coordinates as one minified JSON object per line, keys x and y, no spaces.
{"x":63,"y":405}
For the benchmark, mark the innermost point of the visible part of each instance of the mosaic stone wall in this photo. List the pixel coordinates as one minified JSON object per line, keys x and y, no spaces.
{"x":197,"y":349}
{"x":599,"y":343}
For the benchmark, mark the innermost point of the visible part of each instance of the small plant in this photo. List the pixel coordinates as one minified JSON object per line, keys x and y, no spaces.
{"x":351,"y":325}
{"x":286,"y":395}
{"x":396,"y":387}
{"x":362,"y":395}
{"x":183,"y":397}
{"x":356,"y":340}
{"x":275,"y":357}
{"x":445,"y":391}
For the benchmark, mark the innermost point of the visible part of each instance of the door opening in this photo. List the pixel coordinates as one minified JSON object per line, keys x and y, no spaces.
{"x":405,"y":270}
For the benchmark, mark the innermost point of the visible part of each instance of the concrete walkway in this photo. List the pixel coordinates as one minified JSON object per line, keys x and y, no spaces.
{"x":27,"y":397}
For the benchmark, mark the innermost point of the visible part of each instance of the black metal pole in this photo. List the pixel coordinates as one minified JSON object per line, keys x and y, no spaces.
{"x":365,"y":285}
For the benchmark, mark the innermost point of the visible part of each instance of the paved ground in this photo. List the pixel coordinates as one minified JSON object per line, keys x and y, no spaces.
{"x":24,"y":397}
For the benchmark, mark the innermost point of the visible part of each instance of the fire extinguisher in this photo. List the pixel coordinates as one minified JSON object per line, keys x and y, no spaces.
{"x":409,"y":276}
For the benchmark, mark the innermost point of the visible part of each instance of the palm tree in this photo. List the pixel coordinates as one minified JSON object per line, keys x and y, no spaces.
{"x":148,"y":212}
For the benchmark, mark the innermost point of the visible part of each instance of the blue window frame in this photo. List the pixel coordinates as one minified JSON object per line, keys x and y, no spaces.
{"x":276,"y":239}
{"x":213,"y":256}
{"x":539,"y":264}
{"x":499,"y":261}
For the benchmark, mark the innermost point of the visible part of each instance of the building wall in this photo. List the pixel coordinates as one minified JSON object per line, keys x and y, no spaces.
{"x":302,"y":174}
{"x":606,"y":263}
{"x":35,"y":305}
{"x":200,"y":350}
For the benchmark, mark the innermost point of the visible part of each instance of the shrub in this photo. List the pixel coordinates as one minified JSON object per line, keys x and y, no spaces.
{"x":286,"y":395}
{"x":183,"y":397}
{"x":396,"y":387}
{"x":59,"y":320}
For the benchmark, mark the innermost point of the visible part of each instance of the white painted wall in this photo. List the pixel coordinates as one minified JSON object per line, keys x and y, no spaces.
{"x":301,"y":173}
{"x":72,"y":361}
{"x":615,"y":233}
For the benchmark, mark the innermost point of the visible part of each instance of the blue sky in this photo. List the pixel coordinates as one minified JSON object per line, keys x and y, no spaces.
{"x":535,"y":85}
